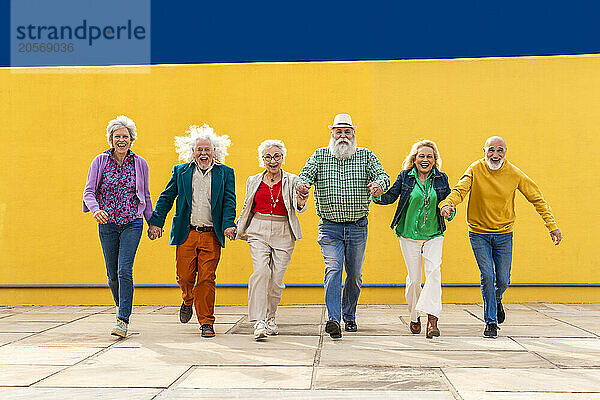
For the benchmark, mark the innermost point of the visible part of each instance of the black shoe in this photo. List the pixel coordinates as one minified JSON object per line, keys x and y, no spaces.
{"x":207,"y":330}
{"x":350,"y":326}
{"x":491,"y":331}
{"x":501,"y":315}
{"x":334,"y":329}
{"x":185,"y":313}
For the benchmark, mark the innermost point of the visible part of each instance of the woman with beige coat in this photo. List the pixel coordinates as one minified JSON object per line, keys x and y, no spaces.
{"x":270,"y":225}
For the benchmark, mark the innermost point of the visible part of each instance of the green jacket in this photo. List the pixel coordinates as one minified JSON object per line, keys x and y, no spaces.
{"x":180,"y":187}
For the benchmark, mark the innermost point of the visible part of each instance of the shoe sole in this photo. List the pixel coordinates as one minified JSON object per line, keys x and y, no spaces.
{"x":490,"y":336}
{"x":119,"y":334}
{"x":260,"y":336}
{"x":208,"y":335}
{"x":432,"y":334}
{"x":334,"y":331}
{"x":272,"y":333}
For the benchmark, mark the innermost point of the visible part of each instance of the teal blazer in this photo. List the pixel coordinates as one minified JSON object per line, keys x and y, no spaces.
{"x":180,"y":187}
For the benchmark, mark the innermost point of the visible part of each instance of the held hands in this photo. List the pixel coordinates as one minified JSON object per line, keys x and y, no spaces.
{"x":375,"y":189}
{"x":302,"y":192}
{"x":101,"y":216}
{"x":231,"y":232}
{"x":447,"y":211}
{"x":556,"y":236}
{"x":154,"y":232}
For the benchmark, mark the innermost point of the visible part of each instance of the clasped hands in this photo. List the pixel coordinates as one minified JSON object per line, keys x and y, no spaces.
{"x":447,"y":211}
{"x":154,"y":232}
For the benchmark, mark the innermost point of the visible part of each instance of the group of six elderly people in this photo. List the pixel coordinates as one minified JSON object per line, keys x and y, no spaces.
{"x":346,"y":178}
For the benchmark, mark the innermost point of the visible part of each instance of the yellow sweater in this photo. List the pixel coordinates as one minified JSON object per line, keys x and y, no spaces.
{"x":491,"y":207}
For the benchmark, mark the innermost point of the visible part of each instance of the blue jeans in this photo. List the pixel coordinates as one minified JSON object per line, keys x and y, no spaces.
{"x":119,"y":244}
{"x":342,"y":244}
{"x":494,"y":257}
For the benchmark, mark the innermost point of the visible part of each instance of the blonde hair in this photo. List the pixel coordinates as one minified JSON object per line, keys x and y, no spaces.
{"x":409,"y":161}
{"x":184,"y":145}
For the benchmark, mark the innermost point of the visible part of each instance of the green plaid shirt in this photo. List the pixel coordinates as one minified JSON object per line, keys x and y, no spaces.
{"x":341,"y":192}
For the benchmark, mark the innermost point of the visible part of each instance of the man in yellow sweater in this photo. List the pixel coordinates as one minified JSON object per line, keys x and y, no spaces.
{"x":493,"y":182}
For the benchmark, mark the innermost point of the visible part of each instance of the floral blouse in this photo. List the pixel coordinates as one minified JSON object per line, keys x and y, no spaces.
{"x":116,"y":193}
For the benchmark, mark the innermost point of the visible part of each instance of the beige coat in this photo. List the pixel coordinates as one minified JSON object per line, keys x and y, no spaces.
{"x":288,"y":185}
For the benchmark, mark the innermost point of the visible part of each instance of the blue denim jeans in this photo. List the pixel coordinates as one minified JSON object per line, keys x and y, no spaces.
{"x":494,"y":257}
{"x":342,"y":244}
{"x":119,"y":244}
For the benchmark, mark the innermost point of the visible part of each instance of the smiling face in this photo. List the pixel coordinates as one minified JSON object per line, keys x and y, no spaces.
{"x":425,"y":159}
{"x":273,"y":158}
{"x":203,"y":153}
{"x":495,"y":152}
{"x":121,"y":140}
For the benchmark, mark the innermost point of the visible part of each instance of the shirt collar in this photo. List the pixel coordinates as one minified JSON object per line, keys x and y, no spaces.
{"x":413,"y":171}
{"x":197,"y":167}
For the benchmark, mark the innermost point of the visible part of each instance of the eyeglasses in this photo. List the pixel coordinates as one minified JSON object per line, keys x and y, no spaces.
{"x":268,"y":157}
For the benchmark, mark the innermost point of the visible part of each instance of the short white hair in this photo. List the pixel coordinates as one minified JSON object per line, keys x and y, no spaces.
{"x":265,"y":145}
{"x":120,"y":122}
{"x":184,"y":145}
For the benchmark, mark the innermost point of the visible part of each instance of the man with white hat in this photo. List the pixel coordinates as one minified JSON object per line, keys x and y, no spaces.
{"x":343,"y":176}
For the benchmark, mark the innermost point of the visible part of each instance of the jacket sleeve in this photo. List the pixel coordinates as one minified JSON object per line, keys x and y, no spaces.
{"x":90,"y":203}
{"x":147,"y":198}
{"x":377,"y":173}
{"x":165,"y":202}
{"x":533,"y":194}
{"x":391,"y":195}
{"x":460,"y":191}
{"x":309,"y":172}
{"x":229,"y":199}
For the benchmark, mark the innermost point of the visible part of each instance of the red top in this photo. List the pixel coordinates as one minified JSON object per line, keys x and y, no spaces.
{"x":269,"y":200}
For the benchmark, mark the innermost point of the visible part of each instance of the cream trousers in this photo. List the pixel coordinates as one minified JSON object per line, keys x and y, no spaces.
{"x":271,"y":245}
{"x":429,"y":254}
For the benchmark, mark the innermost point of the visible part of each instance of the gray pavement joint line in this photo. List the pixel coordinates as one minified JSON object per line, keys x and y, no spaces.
{"x":473,"y":314}
{"x":517,"y":342}
{"x":317,"y":358}
{"x":181,"y":377}
{"x":545,"y":359}
{"x":102,"y":350}
{"x":47,"y":329}
{"x":235,"y":326}
{"x":573,"y":325}
{"x":449,"y":384}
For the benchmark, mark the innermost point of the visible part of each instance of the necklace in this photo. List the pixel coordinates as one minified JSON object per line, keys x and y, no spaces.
{"x":274,"y":199}
{"x":425,"y":200}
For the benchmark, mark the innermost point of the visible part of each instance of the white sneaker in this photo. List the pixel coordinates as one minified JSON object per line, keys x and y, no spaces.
{"x":260,"y":330}
{"x":272,"y":328}
{"x":120,"y":329}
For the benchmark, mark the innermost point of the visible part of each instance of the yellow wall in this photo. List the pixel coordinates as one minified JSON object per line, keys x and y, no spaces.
{"x":53,"y":123}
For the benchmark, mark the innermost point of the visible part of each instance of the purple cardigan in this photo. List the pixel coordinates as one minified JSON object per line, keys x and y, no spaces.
{"x":90,"y":203}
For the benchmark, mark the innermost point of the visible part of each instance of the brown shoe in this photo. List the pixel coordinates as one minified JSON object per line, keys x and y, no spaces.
{"x":432,"y":328}
{"x":415,"y":327}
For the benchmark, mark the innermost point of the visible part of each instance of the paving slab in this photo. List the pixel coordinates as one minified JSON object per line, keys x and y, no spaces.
{"x":524,"y":380}
{"x":28,"y":393}
{"x":18,"y":354}
{"x":373,"y":378}
{"x":222,"y":342}
{"x":247,"y":328}
{"x":97,"y":338}
{"x":419,"y":342}
{"x":528,"y":396}
{"x":32,"y":327}
{"x":42,"y":317}
{"x":24,"y":375}
{"x":70,"y":309}
{"x":397,"y":329}
{"x":556,"y":330}
{"x":330,"y":356}
{"x":565,"y":352}
{"x":527,"y":317}
{"x":279,"y":394}
{"x":6,"y":338}
{"x":283,"y":377}
{"x":197,"y":355}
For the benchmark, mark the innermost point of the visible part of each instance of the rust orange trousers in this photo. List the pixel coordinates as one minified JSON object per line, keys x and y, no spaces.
{"x":196,"y":263}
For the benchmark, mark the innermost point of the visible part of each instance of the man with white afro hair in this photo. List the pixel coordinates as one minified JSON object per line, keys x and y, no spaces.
{"x":204,"y":214}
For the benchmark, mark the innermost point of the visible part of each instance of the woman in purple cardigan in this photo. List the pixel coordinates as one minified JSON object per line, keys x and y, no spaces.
{"x":118,"y":196}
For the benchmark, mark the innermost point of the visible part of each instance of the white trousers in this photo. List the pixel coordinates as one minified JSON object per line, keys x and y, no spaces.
{"x":271,"y":245}
{"x":429,"y":254}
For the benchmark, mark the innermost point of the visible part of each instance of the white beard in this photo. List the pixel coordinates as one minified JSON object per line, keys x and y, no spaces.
{"x":342,"y":148}
{"x":492,"y":166}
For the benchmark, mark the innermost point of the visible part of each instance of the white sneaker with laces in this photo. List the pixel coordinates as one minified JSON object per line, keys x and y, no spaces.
{"x":120,"y":329}
{"x":260,"y":330}
{"x":272,"y":328}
